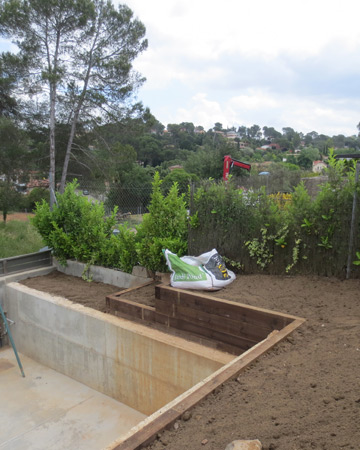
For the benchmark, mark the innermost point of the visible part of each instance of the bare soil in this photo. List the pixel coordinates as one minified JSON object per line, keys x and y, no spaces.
{"x":91,"y":294}
{"x":303,"y":394}
{"x":23,"y":217}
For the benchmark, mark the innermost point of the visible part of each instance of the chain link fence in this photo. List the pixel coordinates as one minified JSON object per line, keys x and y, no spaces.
{"x":130,"y":199}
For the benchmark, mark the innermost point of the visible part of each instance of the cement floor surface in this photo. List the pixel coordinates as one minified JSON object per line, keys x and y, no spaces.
{"x":48,"y":410}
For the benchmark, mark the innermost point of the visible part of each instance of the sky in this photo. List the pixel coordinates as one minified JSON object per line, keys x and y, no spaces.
{"x":279,"y":63}
{"x":275,"y":63}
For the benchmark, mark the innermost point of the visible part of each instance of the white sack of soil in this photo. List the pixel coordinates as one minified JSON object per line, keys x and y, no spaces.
{"x":205,"y":272}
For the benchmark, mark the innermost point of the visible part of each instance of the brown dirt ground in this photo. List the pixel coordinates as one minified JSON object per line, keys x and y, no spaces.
{"x":23,"y":217}
{"x":303,"y":394}
{"x":91,"y":294}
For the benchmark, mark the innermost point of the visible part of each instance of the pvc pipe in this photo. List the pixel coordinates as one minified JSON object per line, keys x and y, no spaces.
{"x":11,"y":340}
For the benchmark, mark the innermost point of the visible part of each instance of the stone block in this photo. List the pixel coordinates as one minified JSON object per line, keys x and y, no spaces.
{"x":244,"y":445}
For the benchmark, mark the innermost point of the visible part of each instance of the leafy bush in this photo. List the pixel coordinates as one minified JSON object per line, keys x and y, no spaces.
{"x":262,"y":232}
{"x":75,"y":228}
{"x":165,"y":226}
{"x":119,"y":251}
{"x":179,"y":176}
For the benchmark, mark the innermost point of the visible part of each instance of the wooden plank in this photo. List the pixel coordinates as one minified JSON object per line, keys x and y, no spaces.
{"x":148,"y":431}
{"x":166,"y":306}
{"x":129,"y":308}
{"x":216,"y":313}
{"x":189,"y":399}
{"x":125,"y":291}
{"x":148,"y":314}
{"x":209,"y":314}
{"x":222,"y":307}
{"x":162,"y":293}
{"x":235,"y":341}
{"x":162,"y":319}
{"x":256,"y":330}
{"x":236,"y":311}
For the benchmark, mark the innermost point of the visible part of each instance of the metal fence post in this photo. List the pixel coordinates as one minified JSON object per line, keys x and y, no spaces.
{"x":352,"y":227}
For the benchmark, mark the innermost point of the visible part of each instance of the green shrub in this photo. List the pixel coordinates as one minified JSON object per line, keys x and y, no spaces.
{"x":75,"y":228}
{"x":253,"y":231}
{"x":119,"y":251}
{"x":165,"y":226}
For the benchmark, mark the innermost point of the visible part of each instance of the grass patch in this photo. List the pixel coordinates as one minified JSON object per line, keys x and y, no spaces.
{"x":18,"y":238}
{"x":131,"y":220}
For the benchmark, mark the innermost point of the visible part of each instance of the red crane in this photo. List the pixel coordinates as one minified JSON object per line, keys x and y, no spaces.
{"x":229,"y":163}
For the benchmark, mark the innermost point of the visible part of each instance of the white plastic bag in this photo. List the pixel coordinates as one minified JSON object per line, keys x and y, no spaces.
{"x":204,"y":272}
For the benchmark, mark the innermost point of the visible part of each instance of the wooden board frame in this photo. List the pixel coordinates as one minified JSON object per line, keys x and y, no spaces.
{"x":182,"y":308}
{"x":222,"y":324}
{"x":144,"y":433}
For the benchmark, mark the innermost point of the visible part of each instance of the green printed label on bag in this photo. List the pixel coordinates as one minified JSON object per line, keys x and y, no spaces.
{"x":185,"y":272}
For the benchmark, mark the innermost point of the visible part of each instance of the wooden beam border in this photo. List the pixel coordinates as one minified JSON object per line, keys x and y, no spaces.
{"x":145,"y":432}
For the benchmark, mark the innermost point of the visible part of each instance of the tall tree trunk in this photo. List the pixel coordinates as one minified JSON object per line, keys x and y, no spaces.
{"x":52,"y":144}
{"x":68,"y":150}
{"x":77,"y":113}
{"x":52,"y":72}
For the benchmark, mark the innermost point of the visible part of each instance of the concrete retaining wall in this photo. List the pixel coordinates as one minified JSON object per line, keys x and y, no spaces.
{"x":102,"y":274}
{"x":139,"y":366}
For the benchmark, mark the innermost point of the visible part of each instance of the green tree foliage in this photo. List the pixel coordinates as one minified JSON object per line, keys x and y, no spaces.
{"x":36,"y":195}
{"x":181,"y":178}
{"x":270,"y":132}
{"x":131,"y":191}
{"x":307,"y":156}
{"x":8,"y":103}
{"x":206,"y":162}
{"x":80,"y":49}
{"x":10,"y":199}
{"x":150,"y":150}
{"x":13,"y":149}
{"x":254,"y":132}
{"x":218,"y":126}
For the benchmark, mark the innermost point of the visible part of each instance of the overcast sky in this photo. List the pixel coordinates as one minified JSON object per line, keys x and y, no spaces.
{"x":277,"y":63}
{"x":280,"y":63}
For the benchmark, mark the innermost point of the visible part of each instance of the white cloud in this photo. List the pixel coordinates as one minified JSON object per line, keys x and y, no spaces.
{"x":276,"y":63}
{"x":264,"y":109}
{"x":253,"y":100}
{"x":250,"y":26}
{"x":279,"y":63}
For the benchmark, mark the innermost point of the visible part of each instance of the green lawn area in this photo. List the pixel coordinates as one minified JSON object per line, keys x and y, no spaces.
{"x":18,"y":238}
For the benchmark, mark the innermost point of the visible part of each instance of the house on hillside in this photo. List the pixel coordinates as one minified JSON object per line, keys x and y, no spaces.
{"x":44,"y":183}
{"x":271,"y":146}
{"x":319,"y":166}
{"x":232,"y":135}
{"x":177,"y":166}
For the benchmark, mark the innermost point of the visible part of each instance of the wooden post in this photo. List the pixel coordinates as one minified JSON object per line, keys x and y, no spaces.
{"x":352,"y":227}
